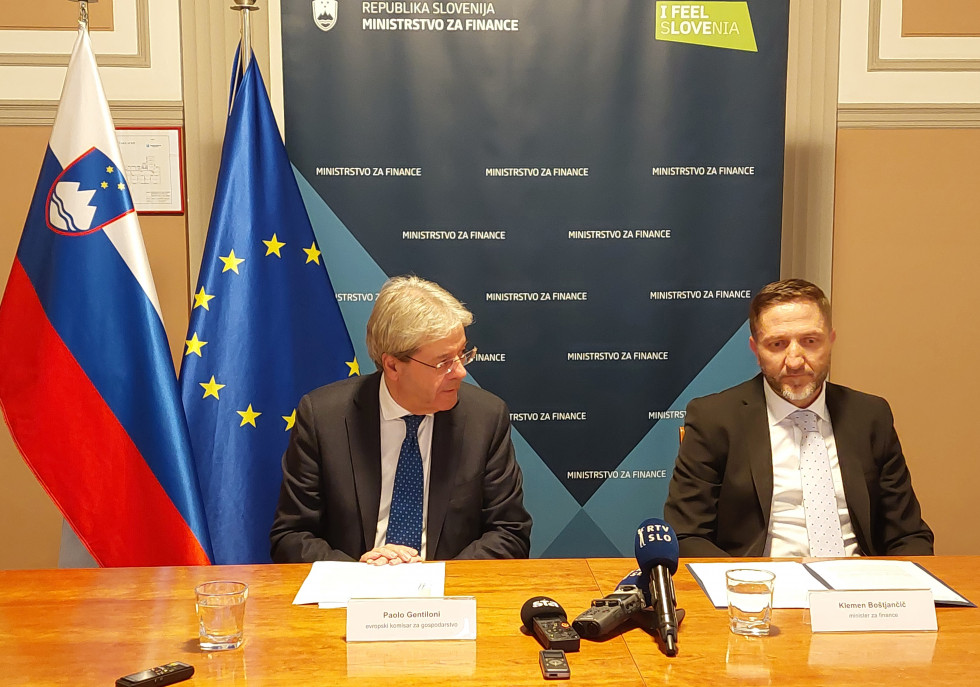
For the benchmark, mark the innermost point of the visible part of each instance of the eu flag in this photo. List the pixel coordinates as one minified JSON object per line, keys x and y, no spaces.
{"x":265,"y":328}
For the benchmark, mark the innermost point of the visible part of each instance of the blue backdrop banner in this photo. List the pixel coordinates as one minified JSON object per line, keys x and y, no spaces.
{"x":600,"y":182}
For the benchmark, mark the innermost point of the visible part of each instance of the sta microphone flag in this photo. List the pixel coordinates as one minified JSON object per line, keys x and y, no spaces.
{"x":265,"y":328}
{"x":87,"y":380}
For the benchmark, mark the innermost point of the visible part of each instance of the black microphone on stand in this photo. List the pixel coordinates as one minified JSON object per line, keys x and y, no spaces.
{"x":657,"y":552}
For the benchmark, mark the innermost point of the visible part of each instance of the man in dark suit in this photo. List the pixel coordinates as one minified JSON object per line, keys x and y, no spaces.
{"x":738,"y":487}
{"x":351,"y":451}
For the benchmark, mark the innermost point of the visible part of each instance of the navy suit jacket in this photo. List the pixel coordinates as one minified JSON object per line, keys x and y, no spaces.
{"x":720,"y":494}
{"x":331,"y":488}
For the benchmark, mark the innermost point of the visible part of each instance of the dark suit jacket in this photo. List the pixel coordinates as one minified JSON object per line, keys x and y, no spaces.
{"x":331,"y":487}
{"x":720,"y":495}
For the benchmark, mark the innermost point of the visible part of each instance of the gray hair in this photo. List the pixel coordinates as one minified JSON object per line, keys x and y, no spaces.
{"x":409,"y":313}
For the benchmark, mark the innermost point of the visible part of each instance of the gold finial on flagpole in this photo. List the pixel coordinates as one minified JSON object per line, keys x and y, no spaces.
{"x":83,"y":12}
{"x":245,"y":7}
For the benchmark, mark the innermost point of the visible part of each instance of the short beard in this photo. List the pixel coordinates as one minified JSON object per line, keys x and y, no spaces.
{"x":796,"y":395}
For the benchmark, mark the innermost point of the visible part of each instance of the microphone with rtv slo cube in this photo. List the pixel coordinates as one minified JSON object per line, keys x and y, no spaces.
{"x":612,"y":610}
{"x":546,"y":620}
{"x":657,"y":553}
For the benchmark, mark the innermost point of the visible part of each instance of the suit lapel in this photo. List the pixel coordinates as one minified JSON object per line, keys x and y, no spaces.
{"x":848,"y":438}
{"x":759,"y":445}
{"x":447,"y":436}
{"x":364,"y":435}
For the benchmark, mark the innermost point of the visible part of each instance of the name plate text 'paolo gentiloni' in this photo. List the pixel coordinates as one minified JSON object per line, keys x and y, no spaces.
{"x":415,"y":618}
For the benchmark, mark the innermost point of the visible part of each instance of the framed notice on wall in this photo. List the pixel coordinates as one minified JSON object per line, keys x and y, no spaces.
{"x":152,"y":160}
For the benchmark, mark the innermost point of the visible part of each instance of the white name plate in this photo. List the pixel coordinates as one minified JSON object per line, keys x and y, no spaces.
{"x":407,"y":619}
{"x":873,"y":610}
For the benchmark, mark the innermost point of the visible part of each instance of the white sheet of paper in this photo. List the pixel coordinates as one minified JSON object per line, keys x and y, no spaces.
{"x":792,"y":585}
{"x":331,"y":584}
{"x":863,"y":573}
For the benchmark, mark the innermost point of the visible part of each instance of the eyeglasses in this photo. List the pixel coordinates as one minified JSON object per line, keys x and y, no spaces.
{"x":447,"y":366}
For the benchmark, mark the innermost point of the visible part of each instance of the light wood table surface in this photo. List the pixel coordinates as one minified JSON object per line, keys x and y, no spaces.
{"x":711,"y":655}
{"x":88,"y":627}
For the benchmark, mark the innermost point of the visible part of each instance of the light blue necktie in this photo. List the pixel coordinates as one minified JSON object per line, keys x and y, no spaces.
{"x":819,"y":499}
{"x":405,"y":516}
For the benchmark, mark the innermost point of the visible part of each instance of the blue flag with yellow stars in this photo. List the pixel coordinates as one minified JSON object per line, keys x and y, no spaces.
{"x":265,"y":328}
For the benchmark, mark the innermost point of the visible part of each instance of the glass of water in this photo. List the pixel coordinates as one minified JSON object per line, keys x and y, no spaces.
{"x":221,"y":614}
{"x":750,"y":600}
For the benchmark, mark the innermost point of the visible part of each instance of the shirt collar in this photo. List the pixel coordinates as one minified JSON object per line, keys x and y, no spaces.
{"x":390,"y":410}
{"x":780,"y":409}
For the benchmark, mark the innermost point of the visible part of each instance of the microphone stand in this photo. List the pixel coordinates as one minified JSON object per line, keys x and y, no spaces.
{"x":647,"y":621}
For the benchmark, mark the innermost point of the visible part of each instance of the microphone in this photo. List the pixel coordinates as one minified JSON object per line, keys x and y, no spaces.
{"x":612,"y":610}
{"x":638,"y":579}
{"x":546,"y":619}
{"x":657,"y":552}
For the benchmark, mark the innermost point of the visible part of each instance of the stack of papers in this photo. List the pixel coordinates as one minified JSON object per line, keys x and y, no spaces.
{"x":331,"y":584}
{"x":795,"y":581}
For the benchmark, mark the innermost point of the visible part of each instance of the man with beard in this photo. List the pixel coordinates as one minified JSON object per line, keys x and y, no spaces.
{"x":788,"y":464}
{"x":409,"y":463}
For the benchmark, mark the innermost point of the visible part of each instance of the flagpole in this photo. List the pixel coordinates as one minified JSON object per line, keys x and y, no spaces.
{"x":245,"y":7}
{"x":83,"y":13}
{"x":245,"y":46}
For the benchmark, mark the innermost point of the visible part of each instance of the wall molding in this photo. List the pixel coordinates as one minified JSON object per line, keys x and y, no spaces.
{"x":877,"y":63}
{"x":908,"y":116}
{"x":811,"y":141}
{"x":140,"y":59}
{"x":124,"y":112}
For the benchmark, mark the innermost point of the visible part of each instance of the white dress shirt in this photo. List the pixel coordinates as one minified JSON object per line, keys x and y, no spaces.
{"x":392,"y":436}
{"x":787,"y":521}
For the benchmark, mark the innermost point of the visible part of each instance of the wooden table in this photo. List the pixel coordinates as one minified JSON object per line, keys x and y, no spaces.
{"x":710,"y":655}
{"x":88,"y":627}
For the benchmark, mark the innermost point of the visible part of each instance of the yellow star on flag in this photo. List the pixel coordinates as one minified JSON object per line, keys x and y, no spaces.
{"x":105,"y":184}
{"x":110,"y":170}
{"x":120,"y":186}
{"x":194,"y":345}
{"x":231,"y":262}
{"x":312,"y":254}
{"x":355,"y":369}
{"x":290,"y":419}
{"x":248,"y":416}
{"x":211,"y":388}
{"x":273,"y":245}
{"x":201,"y":299}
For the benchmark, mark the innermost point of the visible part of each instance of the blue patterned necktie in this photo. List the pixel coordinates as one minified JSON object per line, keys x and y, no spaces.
{"x":405,"y":516}
{"x":819,"y":498}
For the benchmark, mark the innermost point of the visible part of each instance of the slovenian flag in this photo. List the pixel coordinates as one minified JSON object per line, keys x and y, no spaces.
{"x":87,"y":382}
